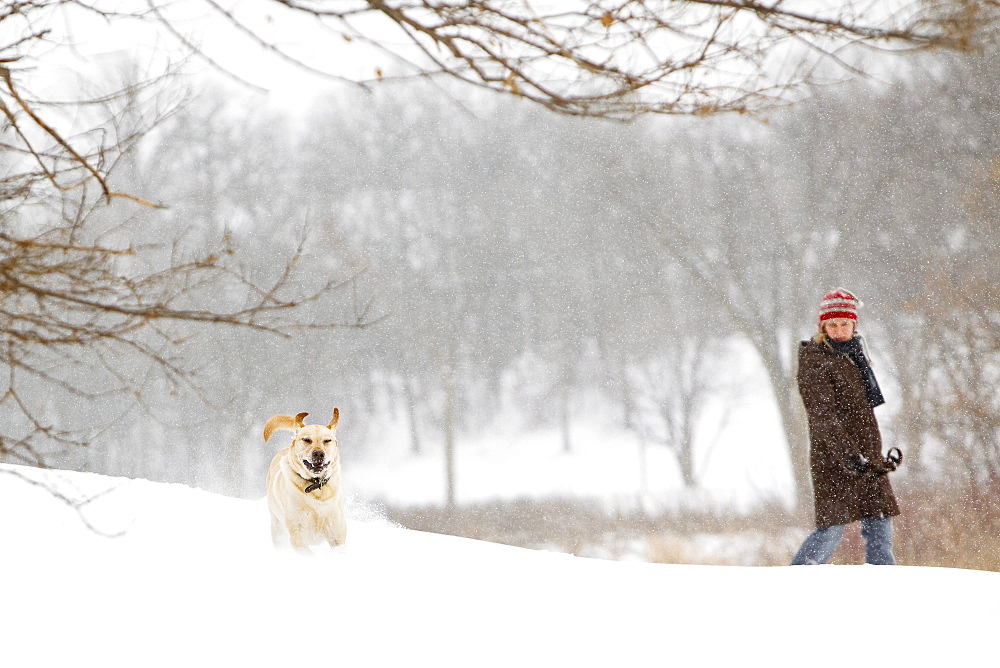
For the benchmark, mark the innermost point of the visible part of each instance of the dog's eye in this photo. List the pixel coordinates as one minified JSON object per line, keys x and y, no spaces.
{"x":307,"y":440}
{"x":327,"y":440}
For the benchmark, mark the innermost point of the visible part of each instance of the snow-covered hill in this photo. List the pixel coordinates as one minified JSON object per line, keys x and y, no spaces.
{"x":193,"y":580}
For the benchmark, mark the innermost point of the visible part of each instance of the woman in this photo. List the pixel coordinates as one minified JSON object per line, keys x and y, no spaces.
{"x":849,"y":478}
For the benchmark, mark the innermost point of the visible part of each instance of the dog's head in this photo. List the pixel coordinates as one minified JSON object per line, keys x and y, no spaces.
{"x":314,"y":451}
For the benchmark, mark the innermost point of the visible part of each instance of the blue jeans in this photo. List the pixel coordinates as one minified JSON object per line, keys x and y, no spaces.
{"x":819,"y":546}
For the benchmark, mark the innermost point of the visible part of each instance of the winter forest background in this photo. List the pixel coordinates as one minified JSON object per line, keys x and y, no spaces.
{"x":498,"y":267}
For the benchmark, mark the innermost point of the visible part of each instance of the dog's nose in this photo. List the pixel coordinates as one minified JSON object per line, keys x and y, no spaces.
{"x":318,"y":455}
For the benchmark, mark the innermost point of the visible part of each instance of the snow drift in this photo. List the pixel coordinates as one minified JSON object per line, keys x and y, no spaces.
{"x":192,"y":578}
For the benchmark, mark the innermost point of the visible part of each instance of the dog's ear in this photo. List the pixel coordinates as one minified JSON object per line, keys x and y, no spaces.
{"x":283,"y":422}
{"x":334,"y":420}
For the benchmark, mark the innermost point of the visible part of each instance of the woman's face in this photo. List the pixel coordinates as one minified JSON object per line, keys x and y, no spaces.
{"x":839,"y":329}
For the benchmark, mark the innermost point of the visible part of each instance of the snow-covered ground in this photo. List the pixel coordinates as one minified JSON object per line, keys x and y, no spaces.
{"x":193,"y":580}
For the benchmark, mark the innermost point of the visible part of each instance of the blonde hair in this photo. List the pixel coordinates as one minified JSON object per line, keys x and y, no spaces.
{"x":820,"y":336}
{"x":823,"y":339}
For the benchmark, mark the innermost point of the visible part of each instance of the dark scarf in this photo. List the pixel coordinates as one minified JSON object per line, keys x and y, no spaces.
{"x":853,"y":349}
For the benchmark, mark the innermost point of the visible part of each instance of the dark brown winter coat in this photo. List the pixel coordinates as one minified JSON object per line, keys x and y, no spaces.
{"x":842,"y":424}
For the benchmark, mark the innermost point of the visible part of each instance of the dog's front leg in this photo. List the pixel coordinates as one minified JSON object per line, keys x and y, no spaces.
{"x":337,"y":536}
{"x":296,"y":536}
{"x":278,"y":535}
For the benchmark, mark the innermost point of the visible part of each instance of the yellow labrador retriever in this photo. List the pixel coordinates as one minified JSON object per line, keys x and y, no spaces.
{"x":303,"y":485}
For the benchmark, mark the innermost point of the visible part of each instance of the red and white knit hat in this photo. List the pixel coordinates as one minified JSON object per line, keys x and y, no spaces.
{"x":839,"y":303}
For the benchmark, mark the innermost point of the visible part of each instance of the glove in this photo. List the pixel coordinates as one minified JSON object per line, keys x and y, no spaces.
{"x":878,"y":467}
{"x":894,"y":458}
{"x":857,"y":463}
{"x":887,"y":465}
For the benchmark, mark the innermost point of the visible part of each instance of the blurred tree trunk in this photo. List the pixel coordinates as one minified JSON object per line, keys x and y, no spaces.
{"x":450,"y":428}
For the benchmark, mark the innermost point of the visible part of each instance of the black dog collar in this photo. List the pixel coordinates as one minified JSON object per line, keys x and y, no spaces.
{"x":316,"y":483}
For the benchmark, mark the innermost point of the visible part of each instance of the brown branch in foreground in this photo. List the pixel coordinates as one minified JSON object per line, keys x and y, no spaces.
{"x":61,"y":302}
{"x":76,"y":502}
{"x":621,"y":59}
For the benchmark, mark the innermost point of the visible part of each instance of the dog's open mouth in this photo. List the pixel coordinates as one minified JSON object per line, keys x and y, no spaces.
{"x":315,"y":466}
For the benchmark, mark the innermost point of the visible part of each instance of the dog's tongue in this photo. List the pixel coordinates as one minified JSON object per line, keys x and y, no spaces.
{"x":314,"y":466}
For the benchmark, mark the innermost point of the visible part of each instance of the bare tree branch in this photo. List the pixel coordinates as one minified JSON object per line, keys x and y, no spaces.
{"x":87,"y":312}
{"x":620,"y":59}
{"x":75,"y":500}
